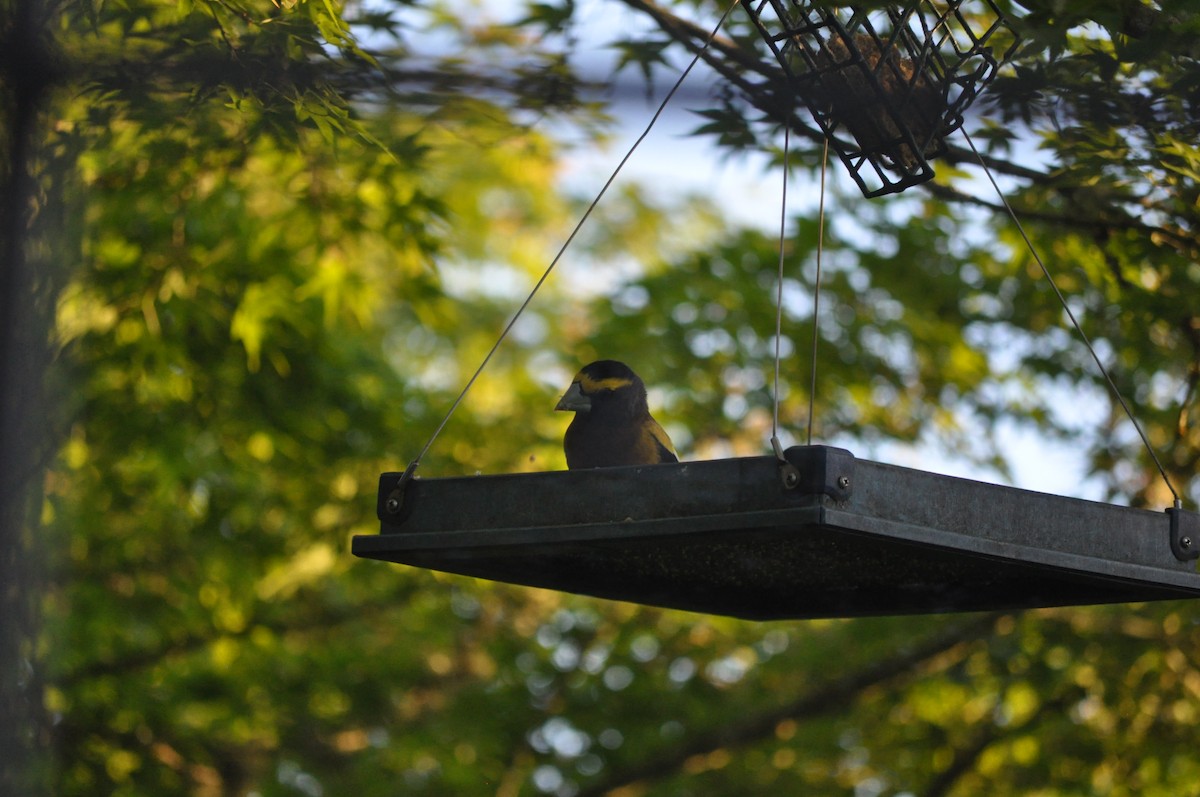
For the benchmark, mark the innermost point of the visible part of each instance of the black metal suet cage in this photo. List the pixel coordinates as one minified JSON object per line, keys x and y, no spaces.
{"x":886,"y":85}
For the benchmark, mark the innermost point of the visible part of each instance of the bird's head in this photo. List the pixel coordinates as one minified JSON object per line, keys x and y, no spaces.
{"x":604,"y":386}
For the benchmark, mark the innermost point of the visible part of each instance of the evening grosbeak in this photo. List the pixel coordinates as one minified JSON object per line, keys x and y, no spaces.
{"x":612,"y":424}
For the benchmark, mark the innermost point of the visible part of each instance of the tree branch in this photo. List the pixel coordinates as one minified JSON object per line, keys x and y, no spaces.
{"x":1179,"y":240}
{"x":826,"y":698}
{"x":198,"y":640}
{"x":966,"y":756}
{"x":732,"y":61}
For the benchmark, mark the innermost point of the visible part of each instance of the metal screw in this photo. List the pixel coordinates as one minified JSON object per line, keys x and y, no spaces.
{"x":392,"y":505}
{"x":790,"y":479}
{"x":843,"y":482}
{"x":1185,"y":542}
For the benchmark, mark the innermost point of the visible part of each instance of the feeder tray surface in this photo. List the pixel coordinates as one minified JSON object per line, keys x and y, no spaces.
{"x":726,"y":537}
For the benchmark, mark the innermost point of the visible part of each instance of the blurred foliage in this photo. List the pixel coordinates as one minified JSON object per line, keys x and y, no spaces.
{"x":287,"y":235}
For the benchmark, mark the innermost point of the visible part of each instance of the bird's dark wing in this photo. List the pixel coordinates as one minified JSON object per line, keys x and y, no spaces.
{"x":662,"y":443}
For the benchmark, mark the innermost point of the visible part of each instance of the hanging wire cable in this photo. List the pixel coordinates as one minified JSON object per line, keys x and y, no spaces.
{"x":812,"y":391}
{"x":775,"y":444}
{"x":1074,"y":322}
{"x":408,"y":473}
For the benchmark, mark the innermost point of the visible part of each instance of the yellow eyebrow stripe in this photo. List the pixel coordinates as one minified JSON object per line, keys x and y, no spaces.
{"x":590,"y":385}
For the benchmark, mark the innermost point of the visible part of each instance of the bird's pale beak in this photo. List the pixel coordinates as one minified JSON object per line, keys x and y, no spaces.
{"x":574,"y":400}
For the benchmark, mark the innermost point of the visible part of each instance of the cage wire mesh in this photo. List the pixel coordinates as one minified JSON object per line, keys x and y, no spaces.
{"x":886,"y":85}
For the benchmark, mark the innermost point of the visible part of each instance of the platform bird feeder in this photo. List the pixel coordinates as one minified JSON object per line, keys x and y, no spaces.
{"x":886,"y":85}
{"x":824,"y":535}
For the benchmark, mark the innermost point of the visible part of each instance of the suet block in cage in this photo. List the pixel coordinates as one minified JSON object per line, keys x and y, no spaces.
{"x":886,"y":85}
